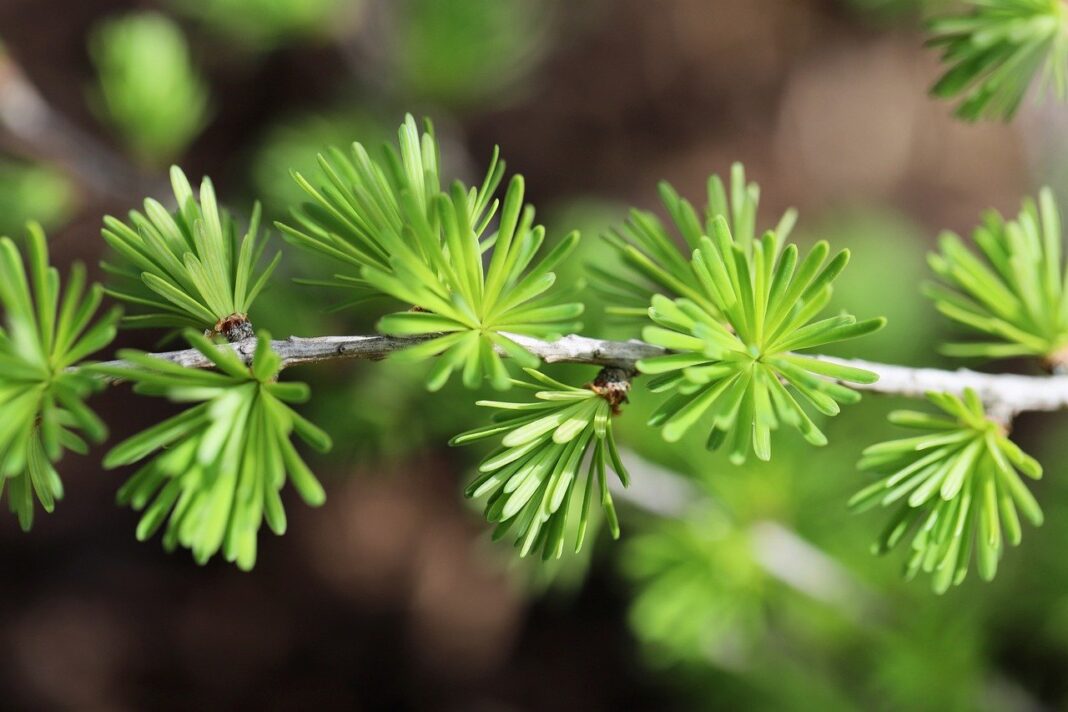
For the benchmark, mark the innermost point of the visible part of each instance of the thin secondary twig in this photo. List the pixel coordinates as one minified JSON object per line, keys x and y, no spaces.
{"x":1005,"y":395}
{"x":779,"y":550}
{"x":44,"y":133}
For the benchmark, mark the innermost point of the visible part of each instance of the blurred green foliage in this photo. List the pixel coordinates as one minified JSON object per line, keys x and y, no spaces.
{"x":994,"y":51}
{"x":701,"y":592}
{"x":31,"y":191}
{"x":877,"y":238}
{"x":148,"y":88}
{"x":292,"y":146}
{"x":463,"y":52}
{"x":263,"y":24}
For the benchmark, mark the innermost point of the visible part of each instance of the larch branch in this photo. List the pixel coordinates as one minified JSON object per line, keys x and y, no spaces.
{"x":1005,"y":395}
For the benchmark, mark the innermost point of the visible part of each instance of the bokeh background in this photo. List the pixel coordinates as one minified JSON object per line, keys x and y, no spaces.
{"x":733,"y":587}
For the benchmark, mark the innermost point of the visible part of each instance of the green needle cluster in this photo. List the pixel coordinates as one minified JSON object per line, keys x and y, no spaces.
{"x":219,"y":466}
{"x":400,"y":234}
{"x":532,"y":481}
{"x":732,"y":360}
{"x":652,"y":260}
{"x":363,"y":208}
{"x":46,"y":333}
{"x":995,"y":49}
{"x":1014,"y":292}
{"x":956,"y":488}
{"x":188,"y":268}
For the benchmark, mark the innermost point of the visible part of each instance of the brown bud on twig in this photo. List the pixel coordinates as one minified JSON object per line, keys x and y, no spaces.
{"x":612,"y":384}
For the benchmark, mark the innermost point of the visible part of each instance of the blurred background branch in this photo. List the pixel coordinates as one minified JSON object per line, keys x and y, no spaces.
{"x":32,"y":128}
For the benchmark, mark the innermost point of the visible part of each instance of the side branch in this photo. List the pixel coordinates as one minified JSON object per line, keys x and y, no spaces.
{"x":31,"y":126}
{"x":1005,"y":395}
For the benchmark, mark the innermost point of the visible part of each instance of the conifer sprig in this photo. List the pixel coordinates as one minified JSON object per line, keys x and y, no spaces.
{"x":46,"y":334}
{"x":534,"y":481}
{"x":400,"y":234}
{"x":189,"y":268}
{"x":218,"y":467}
{"x":733,"y":360}
{"x":1014,"y":292}
{"x":956,"y":487}
{"x":732,"y":320}
{"x":364,"y":211}
{"x":654,"y":260}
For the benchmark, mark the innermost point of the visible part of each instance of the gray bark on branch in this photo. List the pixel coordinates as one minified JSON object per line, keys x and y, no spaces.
{"x":1005,"y":395}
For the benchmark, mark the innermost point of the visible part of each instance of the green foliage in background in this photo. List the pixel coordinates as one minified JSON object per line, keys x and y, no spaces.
{"x":219,"y":466}
{"x":1015,"y":293}
{"x":700,"y":591}
{"x":187,"y":268}
{"x":46,"y":334}
{"x":32,"y":192}
{"x":263,"y":24}
{"x":886,"y":9}
{"x":530,"y":481}
{"x":956,"y":487}
{"x":147,"y":86}
{"x":292,"y":147}
{"x":463,"y":52}
{"x":886,"y":250}
{"x":995,"y":49}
